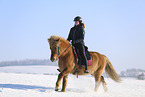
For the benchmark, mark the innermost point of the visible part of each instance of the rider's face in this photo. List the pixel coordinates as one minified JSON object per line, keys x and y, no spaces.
{"x":76,"y":23}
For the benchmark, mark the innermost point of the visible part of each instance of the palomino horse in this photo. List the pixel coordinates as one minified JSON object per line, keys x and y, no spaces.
{"x":61,"y":49}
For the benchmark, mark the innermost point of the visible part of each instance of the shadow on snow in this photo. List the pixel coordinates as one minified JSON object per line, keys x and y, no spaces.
{"x":32,"y":87}
{"x":25,"y":87}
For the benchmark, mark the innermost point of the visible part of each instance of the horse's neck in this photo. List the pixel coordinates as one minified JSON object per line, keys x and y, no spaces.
{"x":68,"y":53}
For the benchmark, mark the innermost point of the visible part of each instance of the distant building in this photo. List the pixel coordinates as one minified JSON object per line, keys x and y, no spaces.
{"x":136,"y":73}
{"x":141,"y":76}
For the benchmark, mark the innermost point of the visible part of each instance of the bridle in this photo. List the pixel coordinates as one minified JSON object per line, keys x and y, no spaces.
{"x":58,"y":52}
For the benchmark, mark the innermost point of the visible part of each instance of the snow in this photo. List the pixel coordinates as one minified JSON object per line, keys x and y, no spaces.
{"x":15,"y":83}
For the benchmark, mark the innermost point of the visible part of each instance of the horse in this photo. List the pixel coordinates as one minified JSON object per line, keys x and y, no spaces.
{"x":62,"y":51}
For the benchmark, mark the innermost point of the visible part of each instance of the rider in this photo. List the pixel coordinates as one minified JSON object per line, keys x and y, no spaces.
{"x":76,"y":35}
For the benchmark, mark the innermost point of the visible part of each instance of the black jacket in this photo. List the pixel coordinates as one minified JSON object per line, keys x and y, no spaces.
{"x":76,"y":34}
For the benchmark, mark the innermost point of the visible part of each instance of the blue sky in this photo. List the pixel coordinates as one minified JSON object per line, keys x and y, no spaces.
{"x":115,"y":28}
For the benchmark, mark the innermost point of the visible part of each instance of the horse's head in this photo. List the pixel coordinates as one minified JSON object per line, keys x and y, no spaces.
{"x":54,"y":47}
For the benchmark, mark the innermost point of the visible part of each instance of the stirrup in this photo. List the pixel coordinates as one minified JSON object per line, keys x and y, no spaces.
{"x":76,"y":72}
{"x":86,"y":71}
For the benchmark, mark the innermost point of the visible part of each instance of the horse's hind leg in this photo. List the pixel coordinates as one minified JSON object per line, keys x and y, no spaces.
{"x":65,"y":78}
{"x":97,"y":81}
{"x":104,"y":83}
{"x":98,"y":78}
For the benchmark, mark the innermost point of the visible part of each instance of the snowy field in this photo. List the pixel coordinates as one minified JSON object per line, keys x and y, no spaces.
{"x":35,"y":81}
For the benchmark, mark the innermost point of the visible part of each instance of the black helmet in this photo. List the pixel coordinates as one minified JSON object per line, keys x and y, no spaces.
{"x":78,"y":18}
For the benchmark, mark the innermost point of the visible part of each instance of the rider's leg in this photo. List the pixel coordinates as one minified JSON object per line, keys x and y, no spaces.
{"x":83,"y":56}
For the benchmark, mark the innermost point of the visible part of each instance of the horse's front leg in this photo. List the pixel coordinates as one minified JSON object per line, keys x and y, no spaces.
{"x":65,"y":78}
{"x":60,"y":76}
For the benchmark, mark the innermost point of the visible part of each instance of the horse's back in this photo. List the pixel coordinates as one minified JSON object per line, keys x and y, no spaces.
{"x":96,"y":54}
{"x":99,"y":60}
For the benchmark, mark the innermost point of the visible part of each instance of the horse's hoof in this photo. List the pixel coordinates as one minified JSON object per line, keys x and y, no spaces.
{"x":56,"y":89}
{"x":63,"y":90}
{"x":106,"y":89}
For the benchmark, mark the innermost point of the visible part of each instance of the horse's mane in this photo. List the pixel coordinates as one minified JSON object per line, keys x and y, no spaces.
{"x":55,"y":37}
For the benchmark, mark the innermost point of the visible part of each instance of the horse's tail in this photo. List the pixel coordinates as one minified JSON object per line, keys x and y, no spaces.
{"x":109,"y":69}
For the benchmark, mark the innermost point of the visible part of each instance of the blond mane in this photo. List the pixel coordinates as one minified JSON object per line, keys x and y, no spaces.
{"x":53,"y":38}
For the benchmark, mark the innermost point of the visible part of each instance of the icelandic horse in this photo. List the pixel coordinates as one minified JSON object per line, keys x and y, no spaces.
{"x":62,"y":51}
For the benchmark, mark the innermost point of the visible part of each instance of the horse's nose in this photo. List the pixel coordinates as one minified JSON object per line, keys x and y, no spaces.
{"x":52,"y":59}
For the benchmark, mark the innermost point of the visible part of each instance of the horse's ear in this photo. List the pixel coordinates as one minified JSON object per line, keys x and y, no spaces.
{"x":48,"y":39}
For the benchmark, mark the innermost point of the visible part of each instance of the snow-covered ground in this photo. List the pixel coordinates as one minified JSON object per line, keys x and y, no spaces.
{"x":23,"y":83}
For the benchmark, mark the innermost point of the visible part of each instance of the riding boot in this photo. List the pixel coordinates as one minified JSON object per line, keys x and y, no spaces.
{"x":86,"y":69}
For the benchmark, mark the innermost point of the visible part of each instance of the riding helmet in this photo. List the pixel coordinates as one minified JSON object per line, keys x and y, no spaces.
{"x":78,"y":18}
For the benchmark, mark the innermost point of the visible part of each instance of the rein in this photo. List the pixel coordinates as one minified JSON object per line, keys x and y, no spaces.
{"x":58,"y":54}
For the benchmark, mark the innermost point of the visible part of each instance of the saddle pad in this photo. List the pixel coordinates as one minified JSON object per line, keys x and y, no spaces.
{"x":90,"y":62}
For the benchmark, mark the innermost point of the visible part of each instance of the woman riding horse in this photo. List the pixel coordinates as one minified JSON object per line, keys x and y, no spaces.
{"x":62,"y":51}
{"x":76,"y":35}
